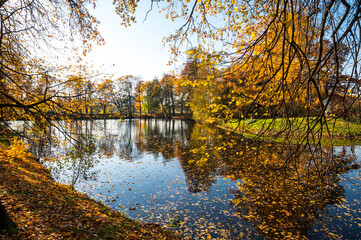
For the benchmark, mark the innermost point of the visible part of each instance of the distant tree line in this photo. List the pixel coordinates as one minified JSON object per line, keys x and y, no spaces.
{"x":206,"y":92}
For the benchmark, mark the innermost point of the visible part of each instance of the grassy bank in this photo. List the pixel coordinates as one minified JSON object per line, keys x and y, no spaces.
{"x":340,"y":131}
{"x":44,"y":209}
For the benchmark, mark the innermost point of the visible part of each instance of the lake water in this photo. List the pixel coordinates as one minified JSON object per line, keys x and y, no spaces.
{"x":204,"y":183}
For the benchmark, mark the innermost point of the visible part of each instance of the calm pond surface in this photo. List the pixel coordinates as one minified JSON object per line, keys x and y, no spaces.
{"x":204,"y":183}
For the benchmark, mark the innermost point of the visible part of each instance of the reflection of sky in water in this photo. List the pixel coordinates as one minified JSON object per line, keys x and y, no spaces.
{"x":150,"y":187}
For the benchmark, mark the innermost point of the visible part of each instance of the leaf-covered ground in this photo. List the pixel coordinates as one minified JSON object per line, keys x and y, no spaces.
{"x":44,"y":209}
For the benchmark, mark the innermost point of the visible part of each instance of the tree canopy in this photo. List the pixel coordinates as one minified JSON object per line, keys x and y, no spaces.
{"x":278,"y":58}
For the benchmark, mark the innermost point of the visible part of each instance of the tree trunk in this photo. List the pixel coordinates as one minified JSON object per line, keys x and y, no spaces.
{"x":164,"y":110}
{"x":173,"y":104}
{"x":140,"y":109}
{"x":5,"y":221}
{"x":169,"y":110}
{"x":181,"y":108}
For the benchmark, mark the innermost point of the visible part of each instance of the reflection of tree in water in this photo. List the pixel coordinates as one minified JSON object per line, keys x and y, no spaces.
{"x":118,"y":141}
{"x":125,"y":141}
{"x":79,"y":155}
{"x":106,"y":143}
{"x":199,"y":176}
{"x":281,"y":201}
{"x":76,"y":155}
{"x":40,"y":138}
{"x":282,"y":197}
{"x":81,"y":159}
{"x":162,"y":137}
{"x":170,"y":139}
{"x":134,"y":137}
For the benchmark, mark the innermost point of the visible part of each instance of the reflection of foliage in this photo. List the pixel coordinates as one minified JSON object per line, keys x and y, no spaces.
{"x":162,"y":137}
{"x":198,"y":165}
{"x":106,"y":145}
{"x":171,"y":139}
{"x":81,"y":159}
{"x":41,"y":139}
{"x":284,"y":203}
{"x":107,"y":142}
{"x":78,"y":159}
{"x":127,"y":149}
{"x":280,"y":200}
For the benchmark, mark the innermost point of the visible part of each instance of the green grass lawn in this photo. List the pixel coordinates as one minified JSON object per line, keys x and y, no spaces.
{"x":340,"y":131}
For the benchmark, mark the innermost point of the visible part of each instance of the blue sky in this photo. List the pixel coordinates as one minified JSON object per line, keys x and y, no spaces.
{"x":136,"y":50}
